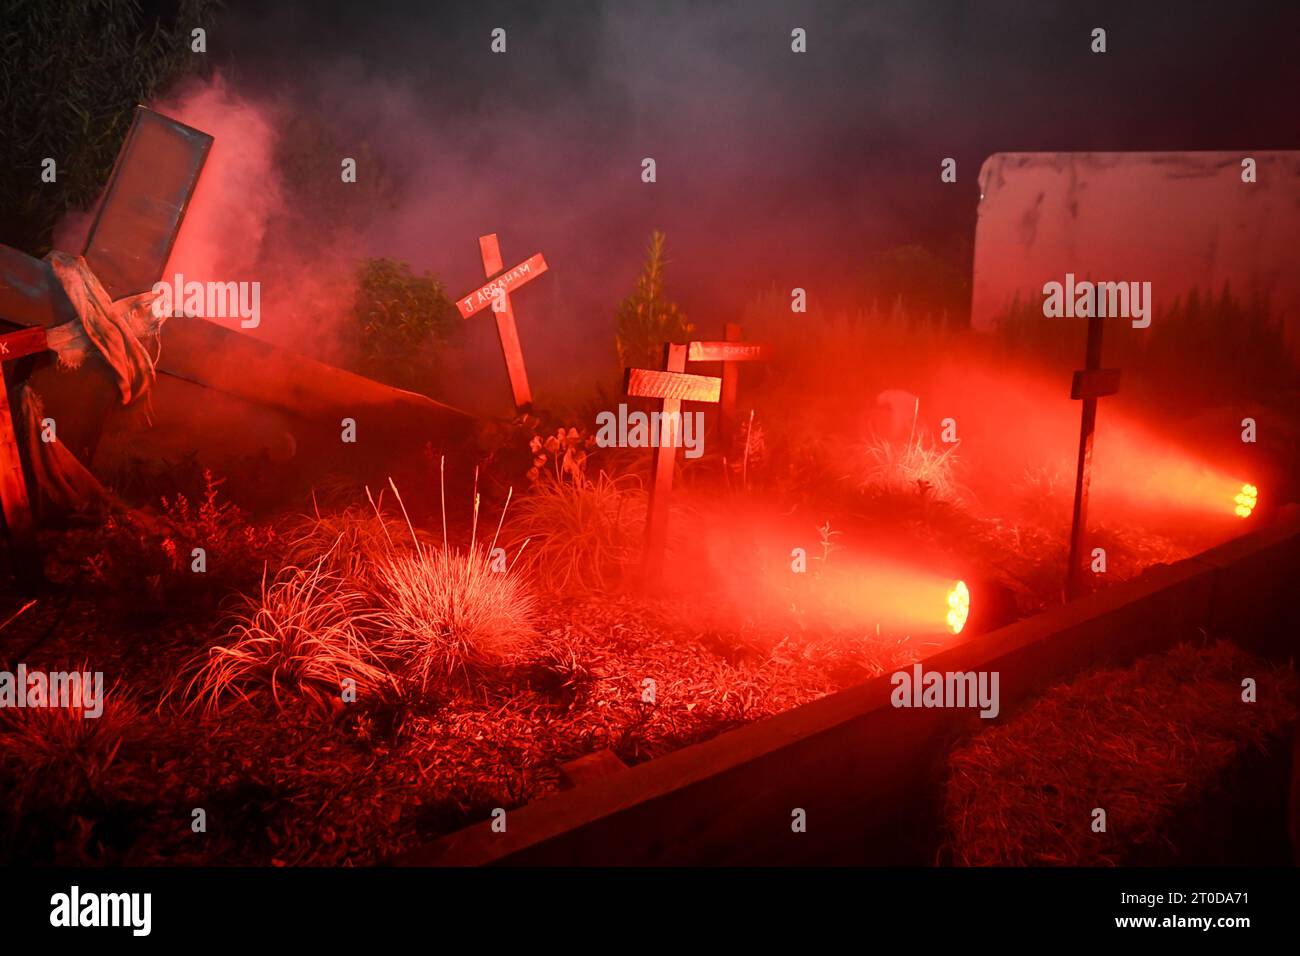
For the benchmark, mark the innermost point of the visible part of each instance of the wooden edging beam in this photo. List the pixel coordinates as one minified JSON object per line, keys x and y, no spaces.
{"x":857,"y":766}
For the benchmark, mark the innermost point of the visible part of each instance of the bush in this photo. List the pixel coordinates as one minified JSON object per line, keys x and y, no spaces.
{"x":376,"y":602}
{"x":917,"y":467}
{"x":304,"y":634}
{"x":580,"y":533}
{"x":646,"y":319}
{"x":143,"y":561}
{"x":448,"y":613}
{"x":57,"y":756}
{"x":401,"y":319}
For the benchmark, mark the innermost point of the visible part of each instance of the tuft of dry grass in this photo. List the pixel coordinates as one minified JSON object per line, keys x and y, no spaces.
{"x":918,"y":467}
{"x":56,"y":756}
{"x":581,"y":533}
{"x":304,"y":634}
{"x":1142,"y":743}
{"x":379,"y":606}
{"x":352,"y":538}
{"x":447,"y":612}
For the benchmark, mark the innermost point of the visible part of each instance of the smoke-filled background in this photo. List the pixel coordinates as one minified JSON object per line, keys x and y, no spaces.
{"x":775,"y":170}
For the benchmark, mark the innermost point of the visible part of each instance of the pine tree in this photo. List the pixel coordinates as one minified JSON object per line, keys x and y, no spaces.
{"x":646,"y":320}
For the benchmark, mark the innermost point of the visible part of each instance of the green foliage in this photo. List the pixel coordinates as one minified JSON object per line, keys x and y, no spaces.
{"x":401,"y":319}
{"x":70,"y":75}
{"x":646,"y":319}
{"x":139,"y":564}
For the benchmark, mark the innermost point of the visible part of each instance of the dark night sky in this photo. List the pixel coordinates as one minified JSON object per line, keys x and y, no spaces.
{"x":773,"y":167}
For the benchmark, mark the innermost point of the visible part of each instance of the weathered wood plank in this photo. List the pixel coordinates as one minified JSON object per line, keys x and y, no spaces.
{"x":504,"y":311}
{"x":1095,"y":383}
{"x":14,"y":499}
{"x":23,"y":342}
{"x":151,"y":185}
{"x":509,"y":281}
{"x":673,"y":386}
{"x":730,"y":351}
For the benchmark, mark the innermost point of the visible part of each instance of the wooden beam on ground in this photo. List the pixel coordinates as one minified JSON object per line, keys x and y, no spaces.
{"x":201,"y":352}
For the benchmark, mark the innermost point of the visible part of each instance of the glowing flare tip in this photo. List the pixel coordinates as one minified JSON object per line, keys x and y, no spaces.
{"x":1245,"y":500}
{"x":958,"y":607}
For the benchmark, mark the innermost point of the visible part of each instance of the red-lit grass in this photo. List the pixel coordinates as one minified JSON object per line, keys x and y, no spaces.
{"x":918,"y":467}
{"x":306,"y":633}
{"x":352,"y":538}
{"x":581,"y":533}
{"x":53,"y":756}
{"x":1143,"y":743}
{"x":446,"y":613}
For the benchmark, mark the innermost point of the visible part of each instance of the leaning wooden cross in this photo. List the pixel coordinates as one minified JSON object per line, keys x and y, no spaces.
{"x":496,"y":293}
{"x":728,"y":352}
{"x":1090,"y":384}
{"x":674,"y":386}
{"x":127,"y":249}
{"x":15,"y":501}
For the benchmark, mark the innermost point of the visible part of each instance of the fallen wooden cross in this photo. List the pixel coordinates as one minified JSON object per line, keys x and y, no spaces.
{"x":496,"y":293}
{"x":15,"y":501}
{"x":127,"y":249}
{"x":1090,"y":384}
{"x":728,"y":352}
{"x":674,"y":386}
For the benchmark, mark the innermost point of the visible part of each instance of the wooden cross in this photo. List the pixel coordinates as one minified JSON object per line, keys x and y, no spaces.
{"x":496,"y":293}
{"x":728,"y":352}
{"x":1090,"y":384}
{"x":127,"y":249}
{"x":674,"y":386}
{"x":15,"y":502}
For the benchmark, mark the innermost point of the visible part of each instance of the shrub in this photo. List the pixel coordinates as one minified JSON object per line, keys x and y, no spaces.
{"x":57,"y":756}
{"x":646,"y":319}
{"x":350,"y":540}
{"x":580,"y":532}
{"x":142,"y":561}
{"x":448,"y":613}
{"x":400,"y":318}
{"x":304,"y":634}
{"x":918,"y":467}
